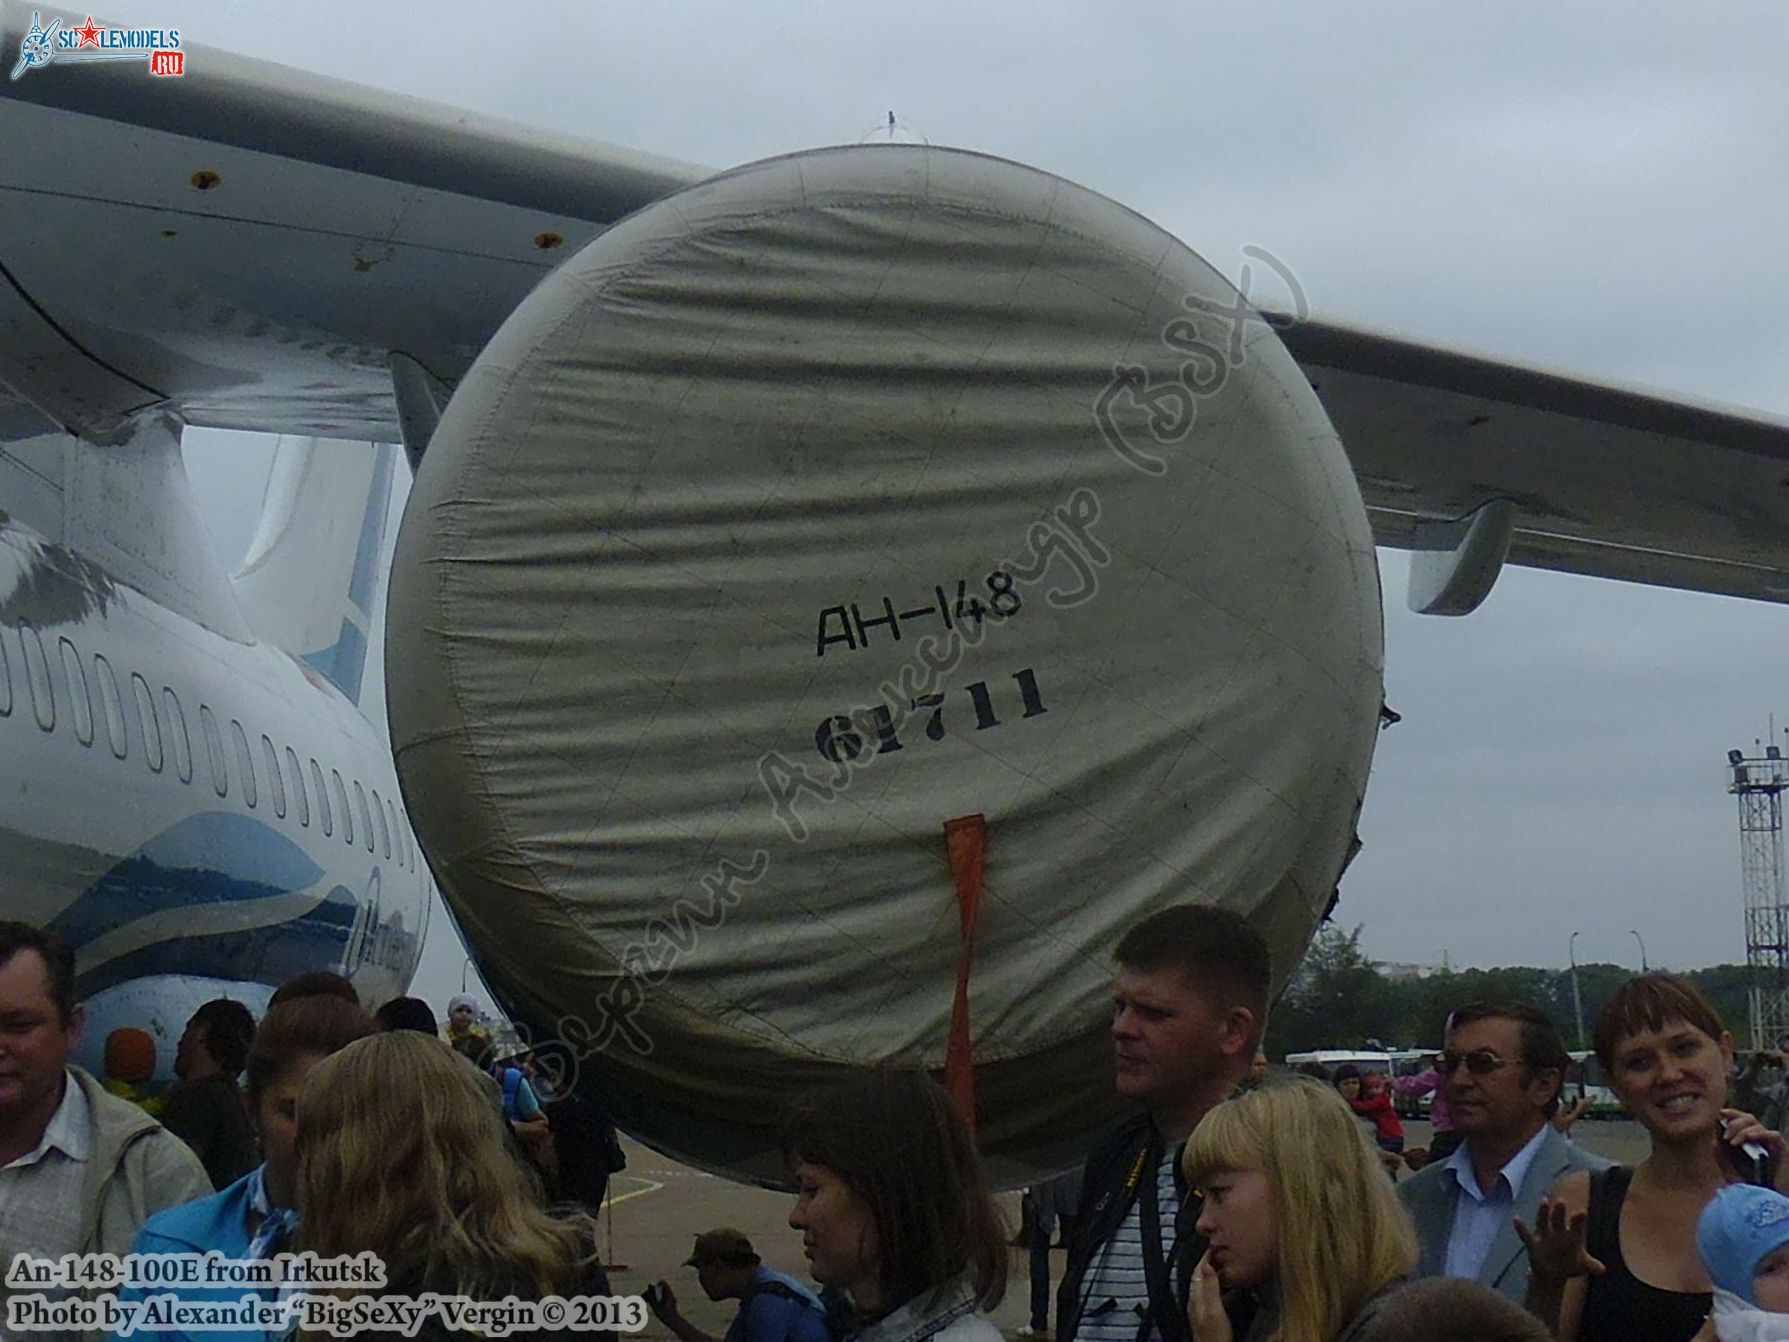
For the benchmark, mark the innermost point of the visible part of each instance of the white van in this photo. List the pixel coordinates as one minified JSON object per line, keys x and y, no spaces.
{"x":1365,"y":1059}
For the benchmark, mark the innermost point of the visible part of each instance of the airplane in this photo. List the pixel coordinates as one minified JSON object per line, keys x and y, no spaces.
{"x":193,"y":796}
{"x":290,"y":254}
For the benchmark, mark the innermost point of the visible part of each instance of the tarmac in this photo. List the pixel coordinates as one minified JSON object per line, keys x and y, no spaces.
{"x":656,"y":1208}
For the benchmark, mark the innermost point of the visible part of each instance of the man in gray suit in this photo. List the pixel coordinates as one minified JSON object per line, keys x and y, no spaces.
{"x":1502,"y":1067}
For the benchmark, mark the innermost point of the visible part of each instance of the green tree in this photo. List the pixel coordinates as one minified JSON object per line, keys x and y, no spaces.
{"x":1337,"y":999}
{"x":1729,"y":987}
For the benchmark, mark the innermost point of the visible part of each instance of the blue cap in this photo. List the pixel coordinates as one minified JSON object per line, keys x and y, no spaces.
{"x":1737,"y":1229}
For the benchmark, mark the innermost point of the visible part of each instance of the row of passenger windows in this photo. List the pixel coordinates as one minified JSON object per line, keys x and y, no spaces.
{"x":291,"y":790}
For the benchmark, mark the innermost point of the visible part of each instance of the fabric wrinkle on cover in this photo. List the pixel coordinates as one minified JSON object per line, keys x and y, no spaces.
{"x":768,"y":446}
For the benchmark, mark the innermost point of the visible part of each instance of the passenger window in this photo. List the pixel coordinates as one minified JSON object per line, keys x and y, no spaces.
{"x":366,"y":821}
{"x":297,"y":771}
{"x":245,"y":762}
{"x":324,"y":818}
{"x":276,"y":785}
{"x":79,"y":703}
{"x":214,"y":751}
{"x":37,"y":676}
{"x":397,"y":835}
{"x":182,"y":743}
{"x":384,"y":828}
{"x":341,"y":805}
{"x":113,"y":706}
{"x":147,"y":723}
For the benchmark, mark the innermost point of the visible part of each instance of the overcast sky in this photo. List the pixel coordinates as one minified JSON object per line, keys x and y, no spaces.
{"x":1596,"y":188}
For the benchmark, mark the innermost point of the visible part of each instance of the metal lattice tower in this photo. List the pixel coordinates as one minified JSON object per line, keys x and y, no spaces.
{"x":1759,"y":782}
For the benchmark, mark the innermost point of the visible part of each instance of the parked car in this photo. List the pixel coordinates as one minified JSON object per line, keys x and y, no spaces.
{"x":1584,"y":1080}
{"x":1412,"y":1062}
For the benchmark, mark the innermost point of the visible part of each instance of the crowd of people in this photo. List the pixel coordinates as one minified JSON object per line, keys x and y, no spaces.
{"x":1231,"y":1206}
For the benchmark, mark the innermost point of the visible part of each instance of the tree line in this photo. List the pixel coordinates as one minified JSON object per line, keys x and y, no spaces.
{"x":1339,"y":999}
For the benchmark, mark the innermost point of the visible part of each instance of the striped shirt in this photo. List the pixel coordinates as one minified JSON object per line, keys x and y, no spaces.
{"x":1116,"y":1290}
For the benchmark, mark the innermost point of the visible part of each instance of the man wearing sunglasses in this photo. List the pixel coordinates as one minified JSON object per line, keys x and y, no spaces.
{"x":1501,"y":1071}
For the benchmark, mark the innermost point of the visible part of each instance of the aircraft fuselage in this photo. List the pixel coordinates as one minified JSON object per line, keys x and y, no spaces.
{"x":201,"y":817}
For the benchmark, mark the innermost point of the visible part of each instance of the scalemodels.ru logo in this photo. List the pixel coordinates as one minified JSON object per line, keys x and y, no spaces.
{"x":95,"y":42}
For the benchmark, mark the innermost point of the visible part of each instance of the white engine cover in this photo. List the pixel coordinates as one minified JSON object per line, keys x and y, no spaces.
{"x":833,"y":498}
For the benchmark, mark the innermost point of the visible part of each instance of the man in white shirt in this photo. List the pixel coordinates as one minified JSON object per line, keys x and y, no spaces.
{"x":80,"y":1168}
{"x":1502,"y":1069}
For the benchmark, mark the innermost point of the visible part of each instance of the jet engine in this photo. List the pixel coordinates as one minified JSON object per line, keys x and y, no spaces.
{"x":841,"y":600}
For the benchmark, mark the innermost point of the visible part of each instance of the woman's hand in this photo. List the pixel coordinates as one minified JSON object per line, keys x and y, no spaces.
{"x":1738,"y":1128}
{"x":1205,"y":1305}
{"x":1556,"y":1248}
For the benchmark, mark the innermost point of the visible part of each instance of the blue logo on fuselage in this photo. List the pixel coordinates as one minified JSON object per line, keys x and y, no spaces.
{"x":230,"y":881}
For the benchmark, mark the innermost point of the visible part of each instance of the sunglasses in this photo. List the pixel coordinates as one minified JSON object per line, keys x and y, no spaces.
{"x":1480,"y":1062}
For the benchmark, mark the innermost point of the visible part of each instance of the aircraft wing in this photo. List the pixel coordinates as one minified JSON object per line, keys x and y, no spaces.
{"x":1611,"y":481}
{"x":251,"y":245}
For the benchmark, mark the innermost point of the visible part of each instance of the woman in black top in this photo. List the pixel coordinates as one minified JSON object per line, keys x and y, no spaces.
{"x":1614,"y":1253}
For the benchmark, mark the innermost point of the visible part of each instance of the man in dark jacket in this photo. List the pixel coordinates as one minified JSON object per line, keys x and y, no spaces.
{"x":205,"y":1109}
{"x":1189,"y":1005}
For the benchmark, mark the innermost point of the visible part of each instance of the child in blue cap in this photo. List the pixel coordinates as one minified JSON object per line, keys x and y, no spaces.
{"x":1744,"y":1238}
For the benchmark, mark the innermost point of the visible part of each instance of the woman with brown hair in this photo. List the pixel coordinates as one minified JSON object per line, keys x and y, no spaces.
{"x":1614,"y":1253}
{"x":401,"y":1154}
{"x":894,"y":1209}
{"x":255,"y":1217}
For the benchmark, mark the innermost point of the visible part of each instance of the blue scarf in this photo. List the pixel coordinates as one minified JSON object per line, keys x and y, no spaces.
{"x":277,"y":1223}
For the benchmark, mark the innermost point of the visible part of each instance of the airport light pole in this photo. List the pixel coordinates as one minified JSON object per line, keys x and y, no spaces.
{"x":1642,"y":940}
{"x":1577,"y":1001}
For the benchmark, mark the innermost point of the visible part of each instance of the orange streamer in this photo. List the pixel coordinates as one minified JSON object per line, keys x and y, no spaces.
{"x":967,"y":840}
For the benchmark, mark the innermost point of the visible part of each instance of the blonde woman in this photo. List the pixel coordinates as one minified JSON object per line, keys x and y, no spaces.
{"x":401,"y":1153}
{"x":1297,"y":1213}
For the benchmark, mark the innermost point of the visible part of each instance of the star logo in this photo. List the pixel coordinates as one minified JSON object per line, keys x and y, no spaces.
{"x":89,"y":35}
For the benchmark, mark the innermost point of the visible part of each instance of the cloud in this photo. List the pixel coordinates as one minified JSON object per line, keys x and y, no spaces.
{"x":1592,"y":188}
